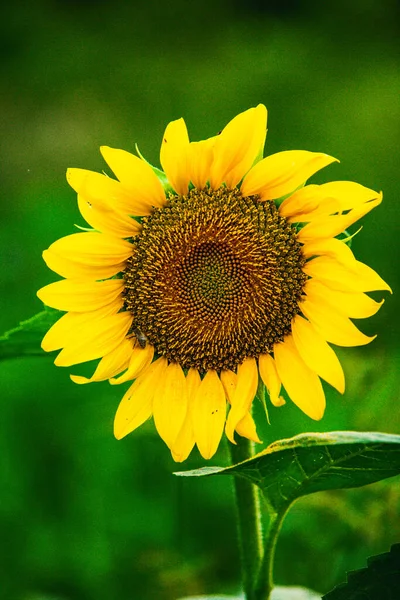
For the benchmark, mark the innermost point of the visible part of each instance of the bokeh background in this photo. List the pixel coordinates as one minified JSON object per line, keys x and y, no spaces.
{"x":82,"y":516}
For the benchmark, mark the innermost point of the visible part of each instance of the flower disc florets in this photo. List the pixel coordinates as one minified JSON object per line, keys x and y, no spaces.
{"x":215,"y":278}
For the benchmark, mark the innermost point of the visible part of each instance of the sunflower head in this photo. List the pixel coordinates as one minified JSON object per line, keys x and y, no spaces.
{"x":202,"y":280}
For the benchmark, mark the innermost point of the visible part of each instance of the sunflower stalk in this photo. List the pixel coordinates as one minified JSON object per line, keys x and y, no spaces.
{"x":257,"y":547}
{"x":250,"y":530}
{"x":264,"y":583}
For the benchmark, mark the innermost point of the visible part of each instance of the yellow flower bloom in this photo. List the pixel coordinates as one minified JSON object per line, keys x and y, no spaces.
{"x":194,"y":295}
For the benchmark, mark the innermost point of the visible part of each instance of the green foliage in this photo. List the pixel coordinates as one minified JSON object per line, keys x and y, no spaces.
{"x":293,"y":593}
{"x":278,"y":593}
{"x":24,"y":340}
{"x":381,"y":579}
{"x":308,"y":463}
{"x":213,"y":598}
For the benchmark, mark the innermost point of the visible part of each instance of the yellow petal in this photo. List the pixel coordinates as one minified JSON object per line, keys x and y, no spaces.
{"x":81,"y":296}
{"x":332,"y":324}
{"x":170,"y":404}
{"x":237,"y":147}
{"x":135,"y":407}
{"x":246,"y":427}
{"x":185,"y":440}
{"x":200,"y":159}
{"x":370,"y":280}
{"x":75,"y":270}
{"x":193,"y":381}
{"x":270,"y":377}
{"x":317,"y":200}
{"x":282,"y":173}
{"x":333,"y":247}
{"x":355,"y":305}
{"x":112,"y":363}
{"x":209,"y":413}
{"x":59,"y":333}
{"x":68,"y":328}
{"x":353,"y":276}
{"x":93,"y":249}
{"x":136,"y":176}
{"x":229,"y":381}
{"x":306,"y":204}
{"x":105,"y":193}
{"x":348,"y":193}
{"x":140,"y":359}
{"x":174,"y":156}
{"x":279,"y":401}
{"x":302,"y":385}
{"x":97,"y":338}
{"x":106,"y":219}
{"x":246,"y":388}
{"x":317,"y":354}
{"x":330,"y":226}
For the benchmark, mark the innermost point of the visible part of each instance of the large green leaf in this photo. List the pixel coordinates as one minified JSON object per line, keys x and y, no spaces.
{"x":380,"y":580}
{"x":312,"y":462}
{"x":25,"y":339}
{"x":212,"y":598}
{"x":278,"y":593}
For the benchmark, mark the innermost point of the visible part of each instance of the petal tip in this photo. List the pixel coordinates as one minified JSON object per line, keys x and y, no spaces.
{"x":44,"y":346}
{"x":318,"y":417}
{"x":118,"y":431}
{"x":316,"y":413}
{"x":106,"y":151}
{"x":229,"y":432}
{"x":79,"y":379}
{"x":205,"y":453}
{"x":63,"y":360}
{"x":39,"y":293}
{"x":69,"y":173}
{"x":178,"y":458}
{"x":277,"y":401}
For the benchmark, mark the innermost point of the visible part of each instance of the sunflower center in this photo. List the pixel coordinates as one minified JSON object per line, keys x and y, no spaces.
{"x":215,"y":278}
{"x":209,"y":282}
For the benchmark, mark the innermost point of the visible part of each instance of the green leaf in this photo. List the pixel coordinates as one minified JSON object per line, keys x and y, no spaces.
{"x":293,"y":593}
{"x":213,"y":598}
{"x":25,"y":339}
{"x":381,"y":579}
{"x":312,"y":462}
{"x":278,"y":593}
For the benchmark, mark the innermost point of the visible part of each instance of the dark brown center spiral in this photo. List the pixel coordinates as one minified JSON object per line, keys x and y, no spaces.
{"x":215,"y":278}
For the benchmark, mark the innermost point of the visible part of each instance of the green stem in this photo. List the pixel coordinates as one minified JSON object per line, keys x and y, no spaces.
{"x":249,"y":519}
{"x":264,"y":584}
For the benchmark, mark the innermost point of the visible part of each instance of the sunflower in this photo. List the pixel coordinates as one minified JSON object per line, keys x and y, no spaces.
{"x":200,"y":282}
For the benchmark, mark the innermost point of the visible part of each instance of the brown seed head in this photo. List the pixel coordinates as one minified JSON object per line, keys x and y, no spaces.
{"x":215,"y":278}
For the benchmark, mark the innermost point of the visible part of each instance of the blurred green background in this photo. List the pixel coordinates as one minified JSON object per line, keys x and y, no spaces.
{"x":82,"y":516}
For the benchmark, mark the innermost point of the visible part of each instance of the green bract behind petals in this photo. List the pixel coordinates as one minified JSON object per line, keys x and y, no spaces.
{"x":168,"y":189}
